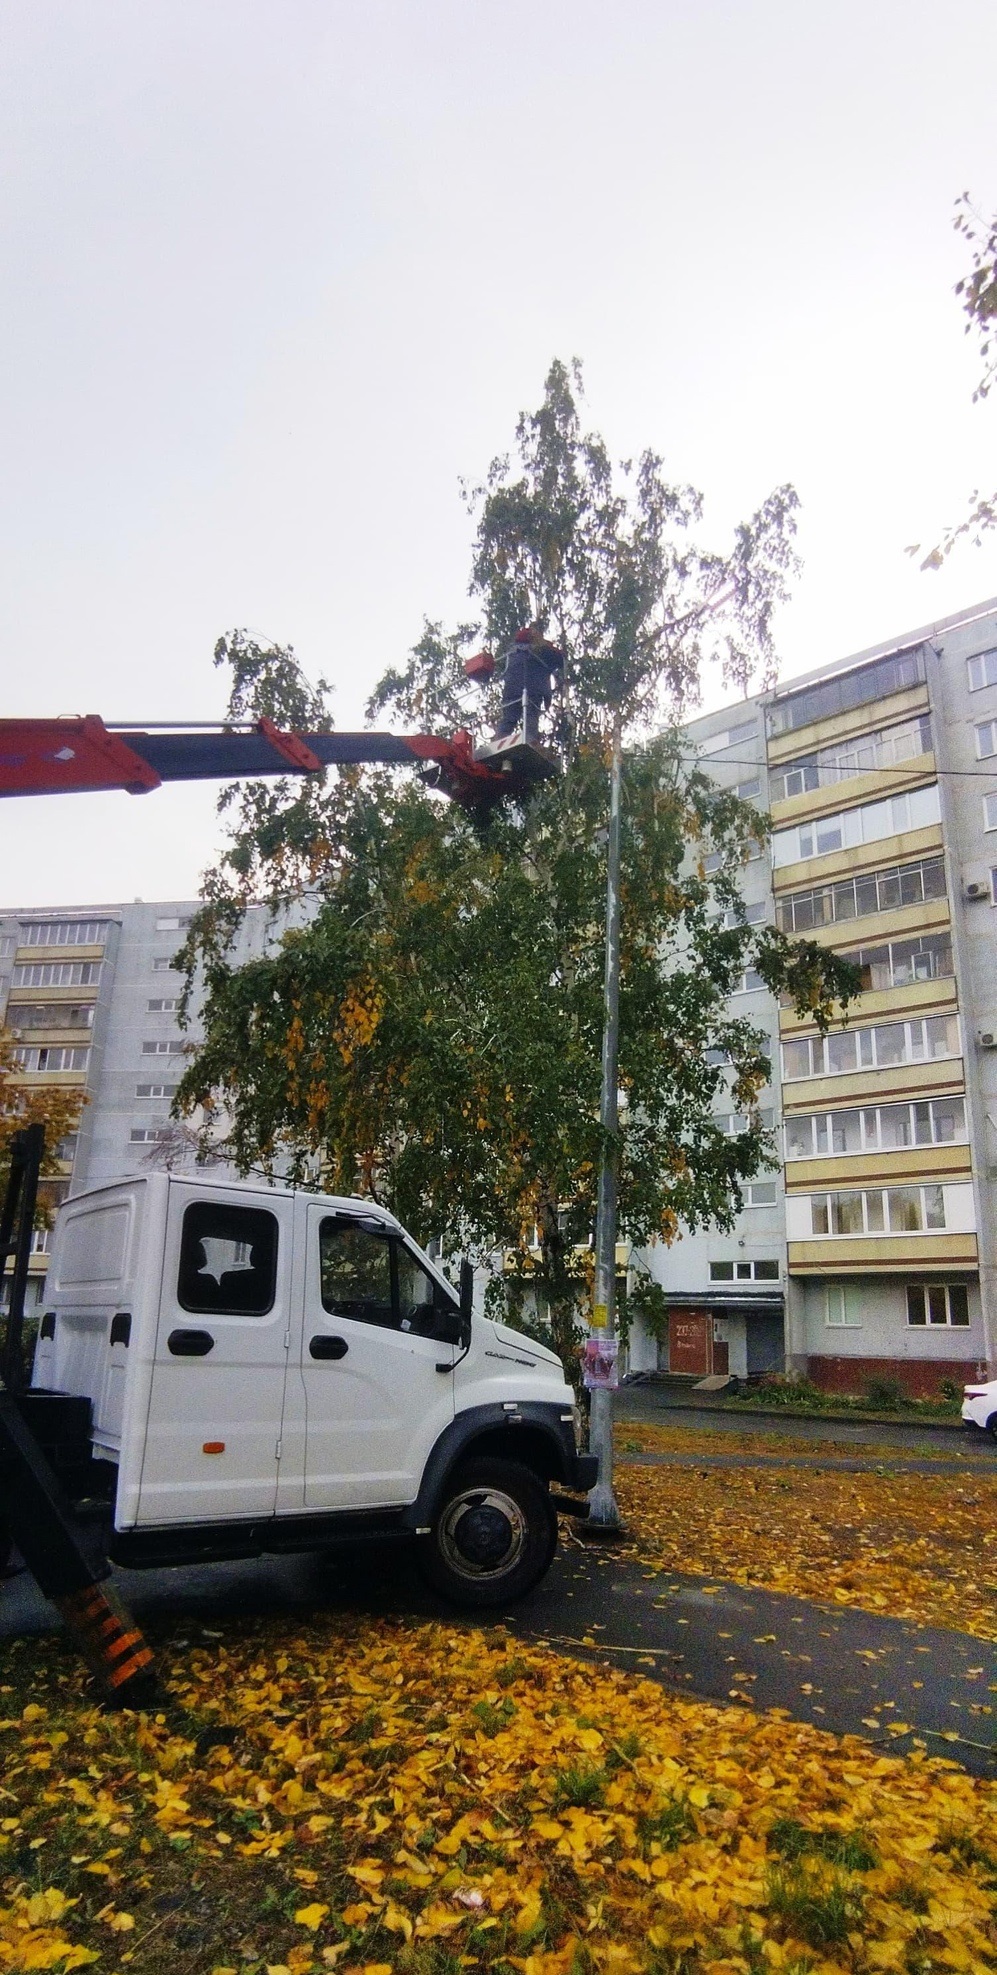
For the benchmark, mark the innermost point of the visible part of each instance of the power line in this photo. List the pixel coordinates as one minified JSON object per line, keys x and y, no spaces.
{"x":979,"y":774}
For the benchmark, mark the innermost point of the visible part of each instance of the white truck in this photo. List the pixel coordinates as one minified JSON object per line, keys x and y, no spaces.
{"x":257,"y":1369}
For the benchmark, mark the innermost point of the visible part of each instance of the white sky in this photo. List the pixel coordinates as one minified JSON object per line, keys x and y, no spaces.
{"x":274,"y":273}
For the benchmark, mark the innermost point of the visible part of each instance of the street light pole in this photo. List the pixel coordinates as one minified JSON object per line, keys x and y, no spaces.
{"x":604,"y":1516}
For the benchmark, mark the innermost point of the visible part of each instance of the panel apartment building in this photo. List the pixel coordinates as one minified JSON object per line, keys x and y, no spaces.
{"x":872,"y":1253}
{"x":92,"y":996}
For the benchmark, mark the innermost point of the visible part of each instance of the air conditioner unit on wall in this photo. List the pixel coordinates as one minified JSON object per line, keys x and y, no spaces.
{"x":978,"y":889}
{"x":988,"y":1039}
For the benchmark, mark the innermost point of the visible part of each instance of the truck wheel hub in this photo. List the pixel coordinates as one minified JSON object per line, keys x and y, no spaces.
{"x":482,"y":1532}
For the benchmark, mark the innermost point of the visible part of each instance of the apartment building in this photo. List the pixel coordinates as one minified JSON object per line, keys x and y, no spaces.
{"x":92,"y":995}
{"x":871,"y":1253}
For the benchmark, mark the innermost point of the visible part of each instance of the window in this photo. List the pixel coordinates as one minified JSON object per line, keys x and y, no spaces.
{"x":731,"y":737}
{"x":50,"y":1015}
{"x":986,"y":739}
{"x":155,"y":1090}
{"x":733,"y":1123}
{"x":749,"y":790}
{"x":861,"y":687}
{"x":841,"y":1306}
{"x":744,"y":1271}
{"x":163,"y":964}
{"x":171,"y":1048}
{"x":57,"y":973}
{"x":49,"y":1059}
{"x":880,"y":1048}
{"x":938,"y":1303}
{"x":66,"y":1148}
{"x":149,"y":1134}
{"x":172,"y":925}
{"x":7,"y":945}
{"x":982,"y":669}
{"x":903,"y":962}
{"x":854,"y":898}
{"x":228,"y":1260}
{"x":896,"y":1209}
{"x":884,"y":748}
{"x":64,"y":932}
{"x":990,"y":812}
{"x":760,"y":1193}
{"x":914,"y":810}
{"x":369,"y":1277}
{"x":749,"y":915}
{"x":878,"y":1128}
{"x":749,"y":983}
{"x":161,"y":1006}
{"x":713,"y":861}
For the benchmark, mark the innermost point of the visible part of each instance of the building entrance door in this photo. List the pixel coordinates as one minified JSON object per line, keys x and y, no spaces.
{"x":721,"y":1348}
{"x":689,"y":1342}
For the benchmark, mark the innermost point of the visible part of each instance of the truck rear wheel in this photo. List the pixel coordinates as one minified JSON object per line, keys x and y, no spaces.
{"x":494,"y":1534}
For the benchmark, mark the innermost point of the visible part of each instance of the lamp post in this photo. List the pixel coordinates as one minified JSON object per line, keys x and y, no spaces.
{"x":604,"y":1515}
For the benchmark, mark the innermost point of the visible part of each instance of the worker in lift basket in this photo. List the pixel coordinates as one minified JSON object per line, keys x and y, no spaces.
{"x":527,"y":670}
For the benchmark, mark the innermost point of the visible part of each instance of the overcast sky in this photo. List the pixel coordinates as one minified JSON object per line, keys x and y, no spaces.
{"x":275,"y":273}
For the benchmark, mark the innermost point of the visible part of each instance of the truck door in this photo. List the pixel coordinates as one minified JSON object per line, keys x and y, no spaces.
{"x":217,"y":1392}
{"x":378,"y":1385}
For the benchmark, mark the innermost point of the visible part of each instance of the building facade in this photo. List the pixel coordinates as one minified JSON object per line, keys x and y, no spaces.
{"x":870,"y":1255}
{"x":92,"y":996}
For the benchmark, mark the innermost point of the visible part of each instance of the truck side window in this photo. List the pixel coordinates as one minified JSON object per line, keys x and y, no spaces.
{"x":418,"y":1295}
{"x":228,"y":1260}
{"x":355,"y":1270}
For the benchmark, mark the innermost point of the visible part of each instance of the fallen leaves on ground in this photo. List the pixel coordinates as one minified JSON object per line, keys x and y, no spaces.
{"x":379,"y":1797}
{"x":652,"y":1437}
{"x":908,"y":1545}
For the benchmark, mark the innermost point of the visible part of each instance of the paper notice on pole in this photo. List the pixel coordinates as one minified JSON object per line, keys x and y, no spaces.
{"x":599,"y":1367}
{"x":600,"y":1316}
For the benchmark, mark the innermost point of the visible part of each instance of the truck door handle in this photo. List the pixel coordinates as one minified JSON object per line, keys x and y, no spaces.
{"x":328,"y":1347}
{"x":190,"y":1343}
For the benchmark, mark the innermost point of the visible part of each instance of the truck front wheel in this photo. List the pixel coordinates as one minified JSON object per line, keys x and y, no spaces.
{"x":494,"y":1534}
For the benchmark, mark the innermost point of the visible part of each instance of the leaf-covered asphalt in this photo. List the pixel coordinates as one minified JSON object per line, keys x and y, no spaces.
{"x":841,"y":1669}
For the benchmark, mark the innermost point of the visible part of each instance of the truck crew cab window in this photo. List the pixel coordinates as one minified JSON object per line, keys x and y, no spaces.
{"x":370,"y":1276}
{"x":228,"y":1260}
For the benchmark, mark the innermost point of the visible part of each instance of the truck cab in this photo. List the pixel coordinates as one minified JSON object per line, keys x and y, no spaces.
{"x":269,"y":1369}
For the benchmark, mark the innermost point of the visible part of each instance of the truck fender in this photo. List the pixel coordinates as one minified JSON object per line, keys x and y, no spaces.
{"x":535,"y":1434}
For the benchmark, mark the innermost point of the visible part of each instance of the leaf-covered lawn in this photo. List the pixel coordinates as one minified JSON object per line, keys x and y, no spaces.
{"x":914,"y":1546}
{"x":427,"y":1799}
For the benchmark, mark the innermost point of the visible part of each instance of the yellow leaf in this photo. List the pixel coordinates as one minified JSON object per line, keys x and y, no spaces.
{"x":121,"y":1923}
{"x":547,"y":1827}
{"x":311,"y":1916}
{"x":397,"y":1919}
{"x":48,"y":1906}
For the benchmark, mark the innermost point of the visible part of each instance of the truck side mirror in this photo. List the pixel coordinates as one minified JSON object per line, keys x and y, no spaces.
{"x":466,"y":1296}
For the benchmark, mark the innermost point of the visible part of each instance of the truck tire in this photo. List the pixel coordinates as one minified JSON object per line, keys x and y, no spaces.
{"x":493,"y":1536}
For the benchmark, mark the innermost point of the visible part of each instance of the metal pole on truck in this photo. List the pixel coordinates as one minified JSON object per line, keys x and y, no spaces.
{"x":604,"y":1515}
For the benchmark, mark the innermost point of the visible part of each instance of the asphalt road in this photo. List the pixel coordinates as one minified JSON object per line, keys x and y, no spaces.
{"x":836,"y":1668}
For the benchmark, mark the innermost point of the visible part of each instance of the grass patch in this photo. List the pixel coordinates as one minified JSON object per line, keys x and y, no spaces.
{"x":582,"y":1786}
{"x":822,"y":1914}
{"x":850,"y":1850}
{"x":668,"y":1826}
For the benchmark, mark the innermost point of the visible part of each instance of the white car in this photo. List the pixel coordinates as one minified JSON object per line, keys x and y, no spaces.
{"x":979,"y":1406}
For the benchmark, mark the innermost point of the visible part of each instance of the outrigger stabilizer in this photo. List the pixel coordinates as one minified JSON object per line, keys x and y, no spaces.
{"x":44,"y":1457}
